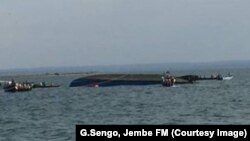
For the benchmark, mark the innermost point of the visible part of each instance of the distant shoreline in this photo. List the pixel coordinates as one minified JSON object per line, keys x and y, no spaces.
{"x":137,"y":68}
{"x":49,"y":74}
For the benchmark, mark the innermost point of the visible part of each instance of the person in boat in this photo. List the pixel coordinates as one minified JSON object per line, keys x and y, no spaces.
{"x":172,"y":80}
{"x":42,"y":84}
{"x":166,"y":73}
{"x":219,"y":76}
{"x":168,"y":80}
{"x":165,"y":76}
{"x":12,"y":83}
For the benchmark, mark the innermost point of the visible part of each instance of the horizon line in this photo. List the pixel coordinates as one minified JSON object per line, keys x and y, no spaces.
{"x":115,"y":65}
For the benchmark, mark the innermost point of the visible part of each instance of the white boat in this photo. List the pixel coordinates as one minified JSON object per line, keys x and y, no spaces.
{"x":227,"y":78}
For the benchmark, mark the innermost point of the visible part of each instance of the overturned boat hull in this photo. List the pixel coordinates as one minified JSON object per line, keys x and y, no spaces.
{"x":106,"y":80}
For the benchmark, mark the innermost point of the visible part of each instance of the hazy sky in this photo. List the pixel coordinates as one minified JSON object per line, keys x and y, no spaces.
{"x":39,"y":33}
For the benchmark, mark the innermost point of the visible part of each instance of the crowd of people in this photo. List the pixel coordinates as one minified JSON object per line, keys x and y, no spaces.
{"x":15,"y":86}
{"x":168,"y":80}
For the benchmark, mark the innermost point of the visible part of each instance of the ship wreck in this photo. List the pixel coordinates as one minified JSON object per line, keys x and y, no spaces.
{"x":107,"y":80}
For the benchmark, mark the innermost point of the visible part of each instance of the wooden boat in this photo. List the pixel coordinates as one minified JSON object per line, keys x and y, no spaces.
{"x":43,"y":85}
{"x":216,"y":77}
{"x":17,"y":87}
{"x":47,"y":86}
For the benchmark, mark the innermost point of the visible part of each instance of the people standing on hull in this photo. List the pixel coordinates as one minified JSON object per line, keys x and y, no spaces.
{"x":168,"y":80}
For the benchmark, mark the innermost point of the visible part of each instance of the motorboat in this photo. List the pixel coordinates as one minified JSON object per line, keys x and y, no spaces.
{"x":227,"y":78}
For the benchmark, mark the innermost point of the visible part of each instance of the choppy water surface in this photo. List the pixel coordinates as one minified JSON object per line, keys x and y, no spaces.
{"x":51,"y":114}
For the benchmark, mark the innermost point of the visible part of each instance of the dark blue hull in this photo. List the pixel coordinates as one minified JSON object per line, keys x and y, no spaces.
{"x":107,"y":80}
{"x":108,"y":83}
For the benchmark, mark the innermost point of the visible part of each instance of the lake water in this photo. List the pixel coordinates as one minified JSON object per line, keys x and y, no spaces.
{"x":51,"y":114}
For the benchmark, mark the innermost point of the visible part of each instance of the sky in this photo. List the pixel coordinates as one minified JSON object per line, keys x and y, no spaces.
{"x":58,"y":33}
